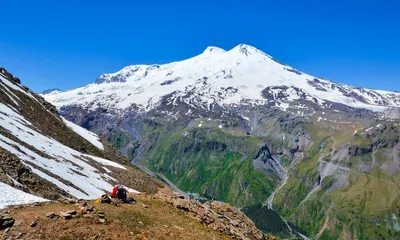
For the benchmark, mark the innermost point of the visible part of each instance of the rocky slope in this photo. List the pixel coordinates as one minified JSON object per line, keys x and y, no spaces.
{"x":45,"y":155}
{"x":161,"y":216}
{"x":240,"y":127}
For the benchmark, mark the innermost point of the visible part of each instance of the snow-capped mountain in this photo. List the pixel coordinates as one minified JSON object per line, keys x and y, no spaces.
{"x":50,"y":91}
{"x":242,"y":75}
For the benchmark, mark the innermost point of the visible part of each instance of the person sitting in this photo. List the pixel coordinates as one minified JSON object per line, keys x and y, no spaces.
{"x":114,"y":191}
{"x":121,"y":194}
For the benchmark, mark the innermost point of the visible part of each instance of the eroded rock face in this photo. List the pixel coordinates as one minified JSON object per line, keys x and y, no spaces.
{"x":358,"y":150}
{"x":217,"y":215}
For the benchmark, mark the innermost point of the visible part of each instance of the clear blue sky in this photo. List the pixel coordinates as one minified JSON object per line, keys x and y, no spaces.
{"x":66,"y":44}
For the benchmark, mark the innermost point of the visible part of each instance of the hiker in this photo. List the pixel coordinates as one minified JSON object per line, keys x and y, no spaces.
{"x":121,"y":193}
{"x":114,"y":191}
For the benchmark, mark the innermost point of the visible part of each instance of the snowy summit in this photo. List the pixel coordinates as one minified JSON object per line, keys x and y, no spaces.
{"x":242,"y":75}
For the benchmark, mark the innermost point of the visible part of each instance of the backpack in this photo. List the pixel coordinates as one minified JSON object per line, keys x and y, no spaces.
{"x":105,"y":199}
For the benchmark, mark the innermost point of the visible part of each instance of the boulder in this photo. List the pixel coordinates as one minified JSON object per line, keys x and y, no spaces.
{"x":6,"y":221}
{"x":34,"y":223}
{"x":50,"y":215}
{"x":72,"y":212}
{"x":65,"y":215}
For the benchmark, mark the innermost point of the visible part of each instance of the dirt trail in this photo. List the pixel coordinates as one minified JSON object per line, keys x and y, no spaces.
{"x":322,"y":229}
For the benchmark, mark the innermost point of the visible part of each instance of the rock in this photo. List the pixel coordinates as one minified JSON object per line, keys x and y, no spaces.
{"x":19,"y":235}
{"x":6,"y":221}
{"x":141,"y":223}
{"x":7,"y":230}
{"x":89,"y":215}
{"x":101,"y":220}
{"x":65,"y":215}
{"x":145,"y":206}
{"x":235,"y":223}
{"x":34,"y":223}
{"x":72,"y":212}
{"x":81,"y":203}
{"x":50,"y":215}
{"x":91,"y":208}
{"x":101,"y":216}
{"x":81,"y":211}
{"x":100,"y":212}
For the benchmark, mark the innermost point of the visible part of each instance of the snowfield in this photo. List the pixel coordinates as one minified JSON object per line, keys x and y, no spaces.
{"x":11,"y":196}
{"x":69,"y":165}
{"x":217,"y":76}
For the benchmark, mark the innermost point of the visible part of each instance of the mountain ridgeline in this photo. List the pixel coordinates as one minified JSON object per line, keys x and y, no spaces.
{"x":241,"y":127}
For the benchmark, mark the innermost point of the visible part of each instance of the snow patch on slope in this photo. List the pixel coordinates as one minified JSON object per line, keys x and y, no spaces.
{"x":67,"y":164}
{"x":91,"y":137}
{"x":11,"y":196}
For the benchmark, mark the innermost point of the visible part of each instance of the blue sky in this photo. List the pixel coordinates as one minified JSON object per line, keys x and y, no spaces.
{"x":67,"y":44}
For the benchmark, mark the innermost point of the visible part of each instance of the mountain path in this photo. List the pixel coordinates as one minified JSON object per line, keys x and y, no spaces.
{"x":322,"y":229}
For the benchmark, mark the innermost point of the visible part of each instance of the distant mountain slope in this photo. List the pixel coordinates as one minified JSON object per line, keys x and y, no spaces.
{"x":43,"y":154}
{"x":243,"y":75}
{"x":50,"y":91}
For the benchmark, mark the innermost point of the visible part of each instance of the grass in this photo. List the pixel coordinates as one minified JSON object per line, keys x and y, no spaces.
{"x":202,"y":161}
{"x":117,"y":139}
{"x":159,"y":221}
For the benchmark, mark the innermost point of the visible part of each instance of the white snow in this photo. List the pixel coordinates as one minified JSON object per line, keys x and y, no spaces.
{"x":130,"y":190}
{"x":369,"y":129}
{"x":91,"y":137}
{"x":208,"y":76}
{"x":11,"y":196}
{"x":67,"y":164}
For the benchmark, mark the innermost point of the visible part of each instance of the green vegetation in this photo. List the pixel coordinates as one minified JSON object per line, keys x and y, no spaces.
{"x":201,"y":161}
{"x":218,"y":164}
{"x":117,"y":139}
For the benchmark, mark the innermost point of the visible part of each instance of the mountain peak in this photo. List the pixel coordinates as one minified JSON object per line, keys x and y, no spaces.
{"x":212,"y":49}
{"x":50,"y":91}
{"x":246,"y":49}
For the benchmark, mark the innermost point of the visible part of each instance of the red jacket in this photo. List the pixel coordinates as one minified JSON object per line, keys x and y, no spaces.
{"x":114,"y":192}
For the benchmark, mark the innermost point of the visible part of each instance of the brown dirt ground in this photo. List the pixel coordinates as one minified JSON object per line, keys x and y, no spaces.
{"x":159,"y":221}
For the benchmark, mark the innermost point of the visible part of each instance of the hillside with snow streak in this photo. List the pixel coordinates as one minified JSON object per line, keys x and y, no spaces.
{"x":243,"y":75}
{"x":45,"y":155}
